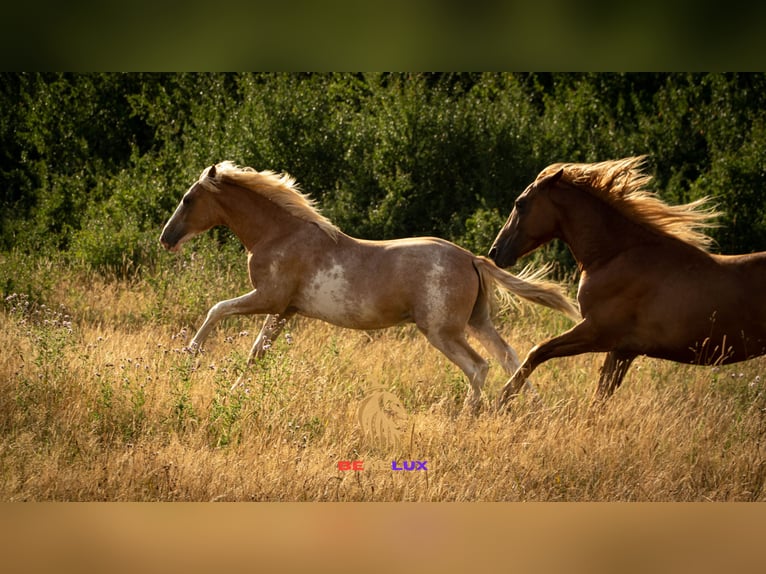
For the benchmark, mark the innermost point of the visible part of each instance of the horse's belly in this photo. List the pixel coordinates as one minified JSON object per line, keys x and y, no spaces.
{"x":353,"y":318}
{"x":710,"y":321}
{"x":712,"y":348}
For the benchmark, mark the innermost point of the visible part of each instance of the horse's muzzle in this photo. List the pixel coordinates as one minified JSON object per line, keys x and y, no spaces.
{"x":169,"y":243}
{"x":172,"y":237}
{"x":500,"y":256}
{"x":171,"y":248}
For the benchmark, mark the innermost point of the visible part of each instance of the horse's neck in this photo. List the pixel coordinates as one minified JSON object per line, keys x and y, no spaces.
{"x":595,"y":231}
{"x":254,"y":219}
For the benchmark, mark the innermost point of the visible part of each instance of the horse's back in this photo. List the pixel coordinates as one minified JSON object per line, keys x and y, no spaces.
{"x":375,"y":284}
{"x":722,"y":308}
{"x":747,"y":281}
{"x":750,"y":267}
{"x":419,"y":258}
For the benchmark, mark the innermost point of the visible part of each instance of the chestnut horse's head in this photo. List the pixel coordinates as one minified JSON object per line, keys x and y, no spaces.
{"x":532,"y":222}
{"x":196,"y":213}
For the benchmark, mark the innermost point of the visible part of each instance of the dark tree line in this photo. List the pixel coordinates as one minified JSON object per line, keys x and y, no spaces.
{"x":91,"y":164}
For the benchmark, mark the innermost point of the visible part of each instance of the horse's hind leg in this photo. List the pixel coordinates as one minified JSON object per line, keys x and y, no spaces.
{"x":497,"y":346}
{"x":455,"y":347}
{"x":481,"y":327}
{"x":612,"y":372}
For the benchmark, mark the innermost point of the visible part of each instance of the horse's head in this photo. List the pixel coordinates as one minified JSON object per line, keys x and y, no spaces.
{"x":532,"y":223}
{"x":196,"y":213}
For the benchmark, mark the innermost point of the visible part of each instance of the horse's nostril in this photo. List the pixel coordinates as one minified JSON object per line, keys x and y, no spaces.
{"x":492,"y":252}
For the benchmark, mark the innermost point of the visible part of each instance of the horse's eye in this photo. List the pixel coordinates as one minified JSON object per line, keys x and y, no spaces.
{"x":186,"y":200}
{"x":521,"y":204}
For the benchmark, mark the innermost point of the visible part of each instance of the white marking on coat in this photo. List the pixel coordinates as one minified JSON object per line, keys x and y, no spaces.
{"x":328,"y":292}
{"x":435,"y":295}
{"x":274,"y":269}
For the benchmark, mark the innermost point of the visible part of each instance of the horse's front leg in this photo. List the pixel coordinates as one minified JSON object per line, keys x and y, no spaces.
{"x":514,"y":384}
{"x":272,"y":327}
{"x":579,"y":339}
{"x":615,"y":366}
{"x":249,"y":304}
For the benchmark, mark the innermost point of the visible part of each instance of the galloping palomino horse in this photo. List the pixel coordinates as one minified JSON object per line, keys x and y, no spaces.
{"x":300,"y":263}
{"x":648,"y":285}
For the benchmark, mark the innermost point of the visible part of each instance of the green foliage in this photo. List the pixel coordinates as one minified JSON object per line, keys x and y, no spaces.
{"x":92,"y":164}
{"x":119,"y":234}
{"x":183,"y":416}
{"x":49,"y":334}
{"x":118,"y":412}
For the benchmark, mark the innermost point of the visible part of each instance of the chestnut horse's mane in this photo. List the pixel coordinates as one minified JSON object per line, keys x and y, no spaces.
{"x":621,"y":183}
{"x":280,"y":188}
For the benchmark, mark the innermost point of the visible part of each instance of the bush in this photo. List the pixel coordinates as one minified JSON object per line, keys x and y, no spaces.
{"x":93,"y":164}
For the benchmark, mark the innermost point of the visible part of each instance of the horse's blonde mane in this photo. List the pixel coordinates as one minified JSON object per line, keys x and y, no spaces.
{"x":280,"y":188}
{"x":621,"y":183}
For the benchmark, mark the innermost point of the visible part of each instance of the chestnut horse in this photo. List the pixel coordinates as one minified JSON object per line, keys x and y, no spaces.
{"x":300,"y":263}
{"x":648,"y":285}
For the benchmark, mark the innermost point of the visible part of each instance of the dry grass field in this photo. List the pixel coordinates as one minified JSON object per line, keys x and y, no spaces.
{"x":99,"y":401}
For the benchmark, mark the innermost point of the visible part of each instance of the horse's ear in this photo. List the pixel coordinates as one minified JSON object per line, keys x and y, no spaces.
{"x":551,"y":179}
{"x":211,"y":172}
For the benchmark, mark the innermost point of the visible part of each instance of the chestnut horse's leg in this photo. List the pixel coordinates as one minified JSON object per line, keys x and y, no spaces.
{"x":612,"y":372}
{"x":579,"y":339}
{"x":482,"y":328}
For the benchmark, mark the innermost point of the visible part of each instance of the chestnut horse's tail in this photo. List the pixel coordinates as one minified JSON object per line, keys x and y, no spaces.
{"x":528,"y":285}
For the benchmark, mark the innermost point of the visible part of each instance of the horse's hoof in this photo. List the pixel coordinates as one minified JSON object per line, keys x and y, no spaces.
{"x":501,"y":404}
{"x":472,"y":407}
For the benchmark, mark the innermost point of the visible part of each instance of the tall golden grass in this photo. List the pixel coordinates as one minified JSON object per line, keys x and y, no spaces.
{"x":99,"y":401}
